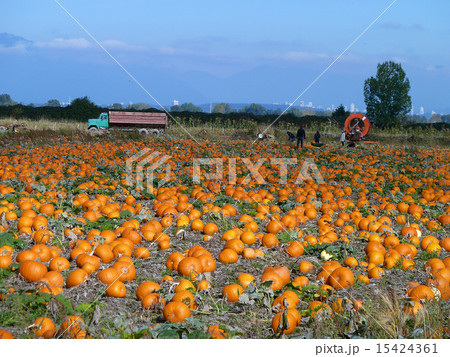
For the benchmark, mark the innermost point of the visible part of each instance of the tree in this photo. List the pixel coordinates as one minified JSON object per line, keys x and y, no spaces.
{"x":5,"y":100}
{"x":417,"y":119}
{"x":340,"y":114}
{"x":116,"y":106}
{"x":83,"y":108}
{"x":255,"y":109}
{"x":185,"y":107}
{"x":53,"y":103}
{"x":386,"y":96}
{"x":139,"y":106}
{"x":223,"y":108}
{"x":436,"y":118}
{"x":296,"y":112}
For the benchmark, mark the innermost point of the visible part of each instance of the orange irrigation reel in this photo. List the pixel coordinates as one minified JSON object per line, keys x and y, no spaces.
{"x":357,"y":126}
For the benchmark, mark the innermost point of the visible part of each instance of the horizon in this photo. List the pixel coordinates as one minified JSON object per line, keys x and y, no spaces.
{"x":266,"y":57}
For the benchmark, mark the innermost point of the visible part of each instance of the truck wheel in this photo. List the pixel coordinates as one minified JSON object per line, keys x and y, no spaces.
{"x":143,"y":131}
{"x":155,"y":132}
{"x":93,"y":130}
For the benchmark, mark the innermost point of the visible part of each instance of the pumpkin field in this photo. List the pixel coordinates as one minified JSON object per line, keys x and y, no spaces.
{"x":354,"y":246}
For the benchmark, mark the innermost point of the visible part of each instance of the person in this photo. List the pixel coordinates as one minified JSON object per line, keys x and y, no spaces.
{"x":291,"y":137}
{"x":300,"y":136}
{"x":343,"y":139}
{"x":317,"y":137}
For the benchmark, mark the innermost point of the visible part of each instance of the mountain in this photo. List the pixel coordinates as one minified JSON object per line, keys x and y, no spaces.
{"x":9,"y":40}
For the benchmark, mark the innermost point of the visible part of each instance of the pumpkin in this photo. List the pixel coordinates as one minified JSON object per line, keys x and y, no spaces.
{"x":32,"y":271}
{"x":295,"y":249}
{"x":104,"y":252}
{"x":116,"y":289}
{"x":59,"y":264}
{"x":5,"y":261}
{"x":421,"y":292}
{"x":288,"y":325}
{"x":108,"y":275}
{"x":376,"y":273}
{"x":341,"y":278}
{"x":176,"y":311}
{"x":208,"y":263}
{"x":185,"y":296}
{"x":216,"y":332}
{"x":277,"y":281}
{"x":228,"y":256}
{"x":210,"y":228}
{"x":76,"y":277}
{"x":231,"y":292}
{"x":184,"y":284}
{"x":53,"y":278}
{"x":282,"y":271}
{"x":246,"y":279}
{"x":41,"y":325}
{"x":173,"y":260}
{"x":270,"y":240}
{"x":153,"y":301}
{"x":5,"y":335}
{"x":145,"y":288}
{"x":42,"y":251}
{"x":235,"y":244}
{"x":126,"y":270}
{"x":26,"y":255}
{"x":281,"y":302}
{"x":190,"y":267}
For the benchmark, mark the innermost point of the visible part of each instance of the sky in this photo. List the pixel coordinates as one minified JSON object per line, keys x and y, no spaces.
{"x":214,"y":51}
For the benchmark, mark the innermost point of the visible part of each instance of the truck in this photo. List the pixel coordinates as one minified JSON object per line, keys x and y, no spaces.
{"x":144,"y":122}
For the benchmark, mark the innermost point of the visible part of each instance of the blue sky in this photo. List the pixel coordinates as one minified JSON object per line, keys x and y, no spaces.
{"x":211,"y":51}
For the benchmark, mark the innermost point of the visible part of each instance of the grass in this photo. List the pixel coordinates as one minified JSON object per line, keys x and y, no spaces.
{"x":409,"y":137}
{"x":383,"y":317}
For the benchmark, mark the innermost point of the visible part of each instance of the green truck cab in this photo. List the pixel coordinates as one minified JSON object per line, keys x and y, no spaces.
{"x":101,"y":122}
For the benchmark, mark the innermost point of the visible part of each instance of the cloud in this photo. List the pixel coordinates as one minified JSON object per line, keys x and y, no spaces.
{"x":80,"y":44}
{"x":296,"y":56}
{"x":171,"y":51}
{"x":432,"y":68}
{"x":65,"y":44}
{"x":399,"y":60}
{"x":303,"y":56}
{"x":17,"y":48}
{"x":396,"y":26}
{"x":121,"y":46}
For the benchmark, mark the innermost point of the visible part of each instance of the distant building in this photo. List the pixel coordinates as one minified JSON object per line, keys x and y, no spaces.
{"x":421,"y":111}
{"x":352,"y":108}
{"x":175,"y":102}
